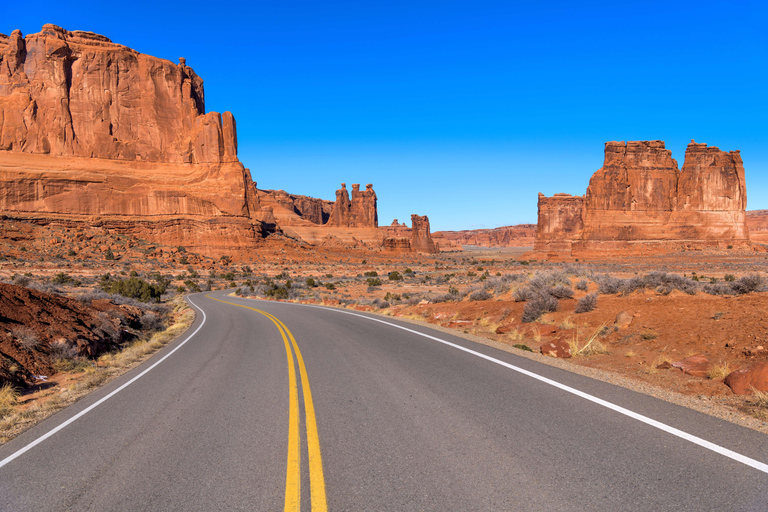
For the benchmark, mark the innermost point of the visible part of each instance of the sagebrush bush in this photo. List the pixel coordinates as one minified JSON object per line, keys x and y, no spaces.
{"x":582,"y":285}
{"x":152,"y":322}
{"x":480,"y":295}
{"x":586,"y":303}
{"x":524,"y":293}
{"x":747,"y":284}
{"x":26,"y":337}
{"x":561,"y":291}
{"x":538,"y":306}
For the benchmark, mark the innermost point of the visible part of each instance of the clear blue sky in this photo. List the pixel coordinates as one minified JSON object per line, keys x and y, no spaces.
{"x":462,"y":111}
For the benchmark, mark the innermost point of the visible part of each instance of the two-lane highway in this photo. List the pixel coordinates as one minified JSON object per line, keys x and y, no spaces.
{"x":265,"y":405}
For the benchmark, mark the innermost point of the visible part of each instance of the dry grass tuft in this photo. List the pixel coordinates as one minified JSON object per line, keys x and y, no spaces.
{"x":630,"y":353}
{"x":592,"y":347}
{"x":719,"y":370}
{"x":8,"y":398}
{"x":567,"y":323}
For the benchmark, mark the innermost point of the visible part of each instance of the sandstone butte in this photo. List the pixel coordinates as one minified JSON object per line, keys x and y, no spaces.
{"x":639,"y":198}
{"x":95,"y":133}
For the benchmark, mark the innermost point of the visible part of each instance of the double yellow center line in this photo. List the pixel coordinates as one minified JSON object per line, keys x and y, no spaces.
{"x":293,"y":473}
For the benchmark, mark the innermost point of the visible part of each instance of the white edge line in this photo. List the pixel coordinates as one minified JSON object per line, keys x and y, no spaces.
{"x":96,"y":404}
{"x":621,"y":410}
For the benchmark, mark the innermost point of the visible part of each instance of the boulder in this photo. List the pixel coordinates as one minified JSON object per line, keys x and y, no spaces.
{"x":623,"y":319}
{"x":743,"y":381}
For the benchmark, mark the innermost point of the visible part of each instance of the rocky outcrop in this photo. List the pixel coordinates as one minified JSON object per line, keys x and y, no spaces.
{"x":639,"y":195}
{"x":421,"y":240}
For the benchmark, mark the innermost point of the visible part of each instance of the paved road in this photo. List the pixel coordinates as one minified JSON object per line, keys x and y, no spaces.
{"x":403,"y":422}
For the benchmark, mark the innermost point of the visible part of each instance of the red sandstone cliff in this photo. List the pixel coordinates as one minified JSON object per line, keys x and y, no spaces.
{"x":640,"y":195}
{"x":93,"y":131}
{"x":417,"y":238}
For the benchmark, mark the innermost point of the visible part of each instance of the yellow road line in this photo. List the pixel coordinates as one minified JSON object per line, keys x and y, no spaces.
{"x":293,"y":476}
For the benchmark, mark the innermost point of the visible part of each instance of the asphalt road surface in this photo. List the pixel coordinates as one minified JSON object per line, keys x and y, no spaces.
{"x":270,"y":406}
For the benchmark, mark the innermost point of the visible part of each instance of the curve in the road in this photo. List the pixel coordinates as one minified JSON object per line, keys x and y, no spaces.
{"x":113,"y":393}
{"x":738,"y":457}
{"x":293,"y":477}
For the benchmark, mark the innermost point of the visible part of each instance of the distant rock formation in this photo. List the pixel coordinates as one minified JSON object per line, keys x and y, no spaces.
{"x":521,"y":235}
{"x":360,"y":212}
{"x":421,"y":240}
{"x":417,"y":238}
{"x":639,"y":195}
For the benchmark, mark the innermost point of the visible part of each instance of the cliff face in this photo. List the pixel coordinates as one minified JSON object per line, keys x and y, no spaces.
{"x":78,"y":94}
{"x":93,"y":131}
{"x":521,"y":235}
{"x":640,"y":195}
{"x":421,"y":240}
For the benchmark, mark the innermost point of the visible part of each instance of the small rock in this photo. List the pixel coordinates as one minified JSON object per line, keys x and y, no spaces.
{"x":753,"y":351}
{"x":623,"y":319}
{"x":504,"y":329}
{"x":666,"y":365}
{"x":697,"y":366}
{"x":558,"y":348}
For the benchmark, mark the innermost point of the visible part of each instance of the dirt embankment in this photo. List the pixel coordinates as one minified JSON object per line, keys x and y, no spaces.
{"x":38,"y":328}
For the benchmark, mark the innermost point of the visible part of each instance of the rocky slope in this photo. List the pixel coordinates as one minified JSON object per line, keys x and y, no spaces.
{"x":640,"y":196}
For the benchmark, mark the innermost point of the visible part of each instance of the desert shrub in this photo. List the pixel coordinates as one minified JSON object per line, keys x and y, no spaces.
{"x":452,"y":290}
{"x":561,"y":291}
{"x":513,"y":278}
{"x":20,"y":280}
{"x":62,"y":278}
{"x":582,"y":285}
{"x":311,"y":282}
{"x":395,"y":276}
{"x":371,"y":273}
{"x":151,"y":321}
{"x":586,"y":303}
{"x":524,"y":293}
{"x":542,"y":281}
{"x":608,"y":285}
{"x":718,"y":289}
{"x":480,"y":295}
{"x":26,"y":337}
{"x":538,"y":306}
{"x":109,"y":255}
{"x":330,"y":286}
{"x":134,"y":288}
{"x":192,"y":286}
{"x":522,"y":346}
{"x":496,"y":286}
{"x":729,"y":277}
{"x":374,"y":281}
{"x":747,"y":284}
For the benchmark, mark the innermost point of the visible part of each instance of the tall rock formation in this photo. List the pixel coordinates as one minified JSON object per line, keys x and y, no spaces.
{"x":421,"y":240}
{"x":360,"y":212}
{"x":92,"y":131}
{"x":417,"y":238}
{"x":639,"y":195}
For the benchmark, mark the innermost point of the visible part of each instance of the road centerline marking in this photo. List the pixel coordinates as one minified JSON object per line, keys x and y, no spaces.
{"x":293,"y":477}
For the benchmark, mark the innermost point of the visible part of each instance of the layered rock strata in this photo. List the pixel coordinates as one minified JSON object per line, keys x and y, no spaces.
{"x":521,"y":235}
{"x":92,"y":131}
{"x":640,"y":196}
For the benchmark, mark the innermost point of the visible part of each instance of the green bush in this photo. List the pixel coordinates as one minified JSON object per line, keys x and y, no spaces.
{"x":374,"y":281}
{"x":134,"y":288}
{"x":395,"y":276}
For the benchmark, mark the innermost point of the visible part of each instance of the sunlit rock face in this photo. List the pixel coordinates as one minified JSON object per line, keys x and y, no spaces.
{"x":639,"y":195}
